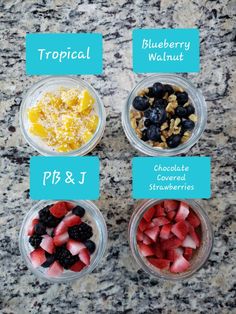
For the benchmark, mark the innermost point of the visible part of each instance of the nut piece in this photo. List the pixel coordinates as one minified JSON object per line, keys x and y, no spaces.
{"x":172,"y":98}
{"x":133,"y":123}
{"x":143,"y":92}
{"x":185,"y":137}
{"x":164,"y":126}
{"x":178,"y":89}
{"x":193,"y":117}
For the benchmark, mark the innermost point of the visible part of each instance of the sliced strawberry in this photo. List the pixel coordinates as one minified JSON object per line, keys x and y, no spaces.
{"x":159,"y":263}
{"x":180,"y":229}
{"x":194,"y":235}
{"x":189,"y":242}
{"x":160,"y":211}
{"x":84,"y":256}
{"x":37,"y":257}
{"x":172,"y":243}
{"x":31,"y":226}
{"x":171,"y":205}
{"x":60,"y":228}
{"x":139,"y":235}
{"x":75,"y":246}
{"x":171,"y":214}
{"x":143,"y":224}
{"x":149,"y":214}
{"x":158,"y":251}
{"x":47,"y":244}
{"x":173,"y":254}
{"x":72,"y":220}
{"x":61,"y":239}
{"x":188,"y":252}
{"x":193,"y":219}
{"x":179,"y":265}
{"x":182,"y":212}
{"x":78,"y":266}
{"x":55,"y":270}
{"x":152,"y":233}
{"x":160,"y":221}
{"x":69,"y":206}
{"x":145,"y":250}
{"x":147,"y":240}
{"x":165,"y":231}
{"x":59,"y":209}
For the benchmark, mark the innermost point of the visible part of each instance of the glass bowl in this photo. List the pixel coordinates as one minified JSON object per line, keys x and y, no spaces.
{"x":51,"y":84}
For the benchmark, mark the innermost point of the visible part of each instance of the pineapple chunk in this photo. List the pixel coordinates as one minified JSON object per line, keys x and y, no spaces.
{"x":86,"y":136}
{"x":70,"y":97}
{"x":92,"y":122}
{"x":86,"y":101}
{"x":38,"y":130}
{"x":34,"y":114}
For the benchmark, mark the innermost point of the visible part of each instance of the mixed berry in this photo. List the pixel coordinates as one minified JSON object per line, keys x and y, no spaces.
{"x":169,"y":235}
{"x":163,"y":116}
{"x":60,"y":239}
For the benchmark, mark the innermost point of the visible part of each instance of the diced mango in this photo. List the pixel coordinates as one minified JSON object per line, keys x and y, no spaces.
{"x":86,"y":101}
{"x":38,"y":130}
{"x":92,"y":122}
{"x":86,"y":136}
{"x":70,"y":97}
{"x":34,"y":114}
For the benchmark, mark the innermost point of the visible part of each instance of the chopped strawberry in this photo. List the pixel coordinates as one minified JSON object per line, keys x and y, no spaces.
{"x":171,"y":205}
{"x":158,"y":251}
{"x":172,"y":243}
{"x":60,"y":228}
{"x":171,"y":214}
{"x":152,"y":233}
{"x":194,"y":235}
{"x":78,"y":266}
{"x":59,"y":209}
{"x":69,"y":206}
{"x":31,"y":226}
{"x":147,"y":240}
{"x":160,"y":221}
{"x":149,"y":214}
{"x":189,"y":242}
{"x":193,"y":219}
{"x":37,"y":257}
{"x":182,"y":212}
{"x":55,"y":270}
{"x":47,"y":244}
{"x":139,"y":235}
{"x":159,"y":263}
{"x":179,"y":265}
{"x":72,"y":220}
{"x":160,"y":211}
{"x":75,"y":246}
{"x":173,"y":254}
{"x":143,"y":224}
{"x":165,"y":231}
{"x":180,"y":229}
{"x":61,"y":239}
{"x":188,"y":252}
{"x":84,"y":256}
{"x":145,"y":250}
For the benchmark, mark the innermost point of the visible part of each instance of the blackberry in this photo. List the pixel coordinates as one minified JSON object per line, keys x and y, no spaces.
{"x":80,"y":232}
{"x":90,"y":245}
{"x":65,"y":258}
{"x":40,"y":229}
{"x":50,"y":258}
{"x":35,"y":240}
{"x":78,"y":211}
{"x":47,"y":219}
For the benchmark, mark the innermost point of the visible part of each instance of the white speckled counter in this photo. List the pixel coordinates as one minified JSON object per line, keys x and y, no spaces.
{"x":117,"y":285}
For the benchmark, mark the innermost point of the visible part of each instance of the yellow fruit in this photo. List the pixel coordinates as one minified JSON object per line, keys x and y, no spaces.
{"x":70,"y":97}
{"x":86,"y":136}
{"x":38,"y":130}
{"x":34,"y":114}
{"x":86,"y":101}
{"x":92,"y":122}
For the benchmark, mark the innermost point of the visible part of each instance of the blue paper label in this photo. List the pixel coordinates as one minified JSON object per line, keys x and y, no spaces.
{"x":58,"y":54}
{"x":166,"y":50}
{"x":68,"y":178}
{"x":171,"y":177}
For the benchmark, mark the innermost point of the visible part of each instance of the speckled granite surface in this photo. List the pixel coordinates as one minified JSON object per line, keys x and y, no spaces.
{"x":117,"y":285}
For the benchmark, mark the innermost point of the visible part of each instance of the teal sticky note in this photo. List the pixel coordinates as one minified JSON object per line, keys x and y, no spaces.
{"x":67,"y":178}
{"x":171,"y":177}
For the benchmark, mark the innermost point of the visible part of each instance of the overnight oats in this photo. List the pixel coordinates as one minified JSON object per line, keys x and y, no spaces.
{"x":64,"y":240}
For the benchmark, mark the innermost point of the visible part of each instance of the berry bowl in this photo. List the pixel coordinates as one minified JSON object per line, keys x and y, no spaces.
{"x":164,"y":115}
{"x":170,"y":239}
{"x":63,"y":241}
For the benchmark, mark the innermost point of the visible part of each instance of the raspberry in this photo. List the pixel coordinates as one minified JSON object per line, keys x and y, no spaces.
{"x":35,"y":240}
{"x":80,"y":232}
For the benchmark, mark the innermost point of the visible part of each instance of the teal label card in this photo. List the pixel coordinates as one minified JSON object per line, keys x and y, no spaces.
{"x":67,"y":178}
{"x":166,"y":50}
{"x":171,"y":177}
{"x":59,"y":54}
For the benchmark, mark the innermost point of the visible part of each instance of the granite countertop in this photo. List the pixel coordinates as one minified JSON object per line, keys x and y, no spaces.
{"x":118,"y":285}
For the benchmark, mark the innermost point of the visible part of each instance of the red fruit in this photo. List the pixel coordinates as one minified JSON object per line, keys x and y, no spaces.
{"x":59,"y":209}
{"x":145,"y":250}
{"x":171,"y":214}
{"x":165,"y":231}
{"x":84,"y":256}
{"x":171,"y":205}
{"x":173,"y":254}
{"x":60,"y":228}
{"x":179,"y":265}
{"x":158,"y":251}
{"x":152,"y":233}
{"x":78,"y":266}
{"x":160,"y":211}
{"x":147,"y":240}
{"x":75,"y":246}
{"x":61,"y":239}
{"x":143,"y":225}
{"x":172,"y":243}
{"x":193,"y":219}
{"x":31,"y":226}
{"x":47,"y":244}
{"x":182,"y":212}
{"x":72,"y":220}
{"x":55,"y":270}
{"x":180,"y":229}
{"x":189,"y":242}
{"x":37,"y":257}
{"x":69,"y":206}
{"x":159,"y":263}
{"x":194,"y":236}
{"x":188,"y":252}
{"x":149,"y":214}
{"x":160,"y":221}
{"x":139,"y":235}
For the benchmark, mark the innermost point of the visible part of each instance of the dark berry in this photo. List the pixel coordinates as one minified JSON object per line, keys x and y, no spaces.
{"x":78,"y":211}
{"x":141,"y":103}
{"x":147,"y":123}
{"x":156,"y":115}
{"x":190,"y":110}
{"x":153,"y":133}
{"x":50,"y":258}
{"x":173,"y":141}
{"x":47,"y":219}
{"x":150,"y":93}
{"x":181,"y":112}
{"x":158,"y":90}
{"x":90,"y":245}
{"x":144,"y":135}
{"x":168,"y":89}
{"x":40,"y":229}
{"x":80,"y":232}
{"x":160,"y":103}
{"x":65,"y":258}
{"x":182,"y":98}
{"x":35,"y":240}
{"x":188,"y":125}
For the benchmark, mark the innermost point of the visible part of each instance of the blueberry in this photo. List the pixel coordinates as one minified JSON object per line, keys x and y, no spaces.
{"x":147,"y":123}
{"x":90,"y":245}
{"x":144,"y":135}
{"x":156,"y":115}
{"x":181,"y":112}
{"x":158,"y":90}
{"x":188,"y":125}
{"x":160,"y":103}
{"x":173,"y":141}
{"x":40,"y":229}
{"x":150,"y":93}
{"x":141,"y":103}
{"x":168,"y":89}
{"x":153,"y":133}
{"x":78,"y":211}
{"x":182,"y":98}
{"x":190,"y":110}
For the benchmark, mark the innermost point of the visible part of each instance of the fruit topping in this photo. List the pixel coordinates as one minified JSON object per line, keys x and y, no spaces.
{"x":61,"y":239}
{"x":59,"y":209}
{"x":37,"y":257}
{"x":47,"y":244}
{"x":179,"y":265}
{"x":55,"y":270}
{"x":75,"y":246}
{"x":31,"y":227}
{"x":35,"y":240}
{"x":78,"y":211}
{"x":80,"y":232}
{"x":90,"y":245}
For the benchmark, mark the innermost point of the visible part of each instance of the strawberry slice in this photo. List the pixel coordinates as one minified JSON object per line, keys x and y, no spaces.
{"x":160,"y":221}
{"x":182,"y":212}
{"x":171,"y":214}
{"x":152,"y":233}
{"x":78,"y":266}
{"x":189,"y":242}
{"x":69,"y":206}
{"x":159,"y":263}
{"x":171,"y":205}
{"x":60,"y":228}
{"x":158,"y":251}
{"x":84,"y":256}
{"x":143,"y":224}
{"x":188,"y":252}
{"x":193,"y":219}
{"x":145,"y":250}
{"x":55,"y":270}
{"x":72,"y":220}
{"x":59,"y":209}
{"x":139,"y":235}
{"x":180,"y":229}
{"x":172,"y":243}
{"x":179,"y":265}
{"x":61,"y":239}
{"x":194,"y":236}
{"x":47,"y":244}
{"x":160,"y":211}
{"x":147,"y":240}
{"x":173,"y":254}
{"x":37,"y":257}
{"x":149,"y":214}
{"x":31,"y":226}
{"x":165,"y":231}
{"x":75,"y":246}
